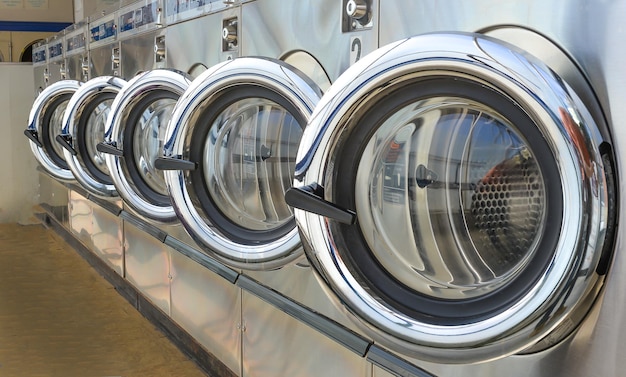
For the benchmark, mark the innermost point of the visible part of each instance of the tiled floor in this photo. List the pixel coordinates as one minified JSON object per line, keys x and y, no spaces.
{"x":58,"y":317}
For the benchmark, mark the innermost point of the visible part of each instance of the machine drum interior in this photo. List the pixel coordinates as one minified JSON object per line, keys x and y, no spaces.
{"x":505,"y":207}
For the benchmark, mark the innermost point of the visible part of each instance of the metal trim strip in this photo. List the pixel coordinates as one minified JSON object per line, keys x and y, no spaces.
{"x":144,"y":226}
{"x":393,"y":364}
{"x":324,"y":325}
{"x":202,"y":259}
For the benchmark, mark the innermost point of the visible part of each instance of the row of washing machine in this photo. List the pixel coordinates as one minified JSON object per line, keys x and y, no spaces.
{"x":447,"y":173}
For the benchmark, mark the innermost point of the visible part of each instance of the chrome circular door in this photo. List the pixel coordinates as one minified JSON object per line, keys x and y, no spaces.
{"x":84,"y":123}
{"x":134,"y":138}
{"x":45,"y":122}
{"x":231,"y":149}
{"x":457,"y":197}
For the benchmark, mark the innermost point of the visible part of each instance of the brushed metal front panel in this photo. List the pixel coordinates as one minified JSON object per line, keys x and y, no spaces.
{"x":137,"y":54}
{"x":39,"y":76}
{"x":81,"y":218}
{"x":209,"y":308}
{"x":100,"y":60}
{"x":108,"y":239}
{"x":55,"y":196}
{"x":276,"y":344}
{"x":297,"y":281}
{"x":74,"y":67}
{"x":147,"y":265}
{"x":197,"y":43}
{"x":54,"y":69}
{"x":275,"y":28}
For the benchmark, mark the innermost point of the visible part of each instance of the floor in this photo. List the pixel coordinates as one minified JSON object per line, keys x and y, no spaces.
{"x":58,"y":317}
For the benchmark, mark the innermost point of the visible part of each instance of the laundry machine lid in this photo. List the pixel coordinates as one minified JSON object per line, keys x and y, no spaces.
{"x":134,"y":138}
{"x":230,"y":155}
{"x":45,"y":122}
{"x":83,"y":128}
{"x":457,"y":197}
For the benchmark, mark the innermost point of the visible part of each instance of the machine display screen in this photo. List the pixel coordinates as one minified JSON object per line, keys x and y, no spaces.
{"x":56,"y":50}
{"x":103,"y":31}
{"x":39,"y":55}
{"x":75,"y":42}
{"x":138,"y":17}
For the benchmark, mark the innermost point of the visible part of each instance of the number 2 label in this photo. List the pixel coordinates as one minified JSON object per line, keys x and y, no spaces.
{"x":355,"y":49}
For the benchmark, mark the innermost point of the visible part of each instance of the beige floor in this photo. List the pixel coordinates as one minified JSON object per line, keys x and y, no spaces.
{"x":58,"y":317}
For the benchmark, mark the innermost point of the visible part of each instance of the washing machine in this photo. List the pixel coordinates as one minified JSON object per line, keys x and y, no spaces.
{"x":457,"y":189}
{"x":229,"y":161}
{"x":44,"y":124}
{"x":45,"y":119}
{"x":242,"y":219}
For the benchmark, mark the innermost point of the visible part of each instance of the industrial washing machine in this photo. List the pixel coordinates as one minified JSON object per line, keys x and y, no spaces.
{"x":242,"y":223}
{"x":45,"y":119}
{"x":93,"y":205}
{"x":230,"y":145}
{"x":44,"y":124}
{"x":458,"y":188}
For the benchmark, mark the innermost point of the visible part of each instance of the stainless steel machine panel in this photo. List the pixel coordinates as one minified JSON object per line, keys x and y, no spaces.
{"x":54,"y":197}
{"x":311,"y":35}
{"x":104,"y":51}
{"x":81,"y":218}
{"x":40,"y":66}
{"x":183,"y":50}
{"x":147,"y":265}
{"x":208,"y":307}
{"x":76,"y":53}
{"x":142,"y":38}
{"x":275,"y":344}
{"x":107,"y":238}
{"x":56,"y":57}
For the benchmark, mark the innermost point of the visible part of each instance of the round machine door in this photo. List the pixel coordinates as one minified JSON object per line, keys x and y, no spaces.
{"x":457,"y":197}
{"x":134,"y":138}
{"x":45,"y":122}
{"x":84,"y":123}
{"x":230,"y":154}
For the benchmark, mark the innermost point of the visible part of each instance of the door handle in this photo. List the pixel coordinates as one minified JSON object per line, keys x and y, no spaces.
{"x":311,"y":199}
{"x":66,"y":142}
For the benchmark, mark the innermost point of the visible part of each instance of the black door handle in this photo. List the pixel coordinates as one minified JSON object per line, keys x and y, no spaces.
{"x":108,"y":148}
{"x":65,"y":141}
{"x":32,"y":135}
{"x":311,"y":199}
{"x":169,"y":163}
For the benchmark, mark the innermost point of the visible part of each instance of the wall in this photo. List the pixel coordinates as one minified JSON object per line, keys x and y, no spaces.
{"x":12,"y":43}
{"x":18,"y":180}
{"x":37,"y":10}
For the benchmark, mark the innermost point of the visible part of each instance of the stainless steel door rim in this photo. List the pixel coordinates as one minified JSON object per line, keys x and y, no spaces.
{"x":443,"y":296}
{"x":83,"y":129}
{"x":235,"y":130}
{"x":139,"y":116}
{"x":45,"y":122}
